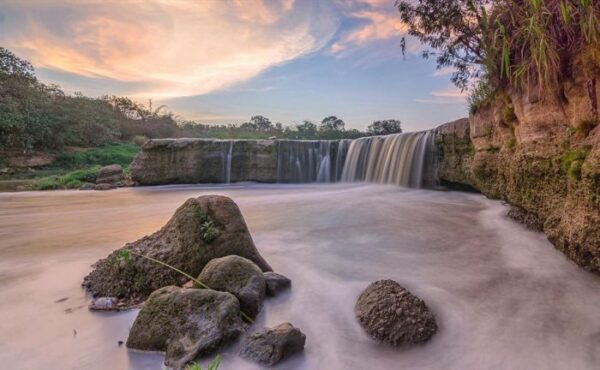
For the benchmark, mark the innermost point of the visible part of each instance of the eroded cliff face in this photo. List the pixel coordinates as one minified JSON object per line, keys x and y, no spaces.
{"x":540,"y":154}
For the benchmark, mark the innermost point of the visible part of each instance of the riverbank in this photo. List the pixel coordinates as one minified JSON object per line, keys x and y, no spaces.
{"x":67,"y":169}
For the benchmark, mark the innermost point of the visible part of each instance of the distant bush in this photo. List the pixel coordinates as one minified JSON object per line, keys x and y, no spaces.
{"x":105,"y":155}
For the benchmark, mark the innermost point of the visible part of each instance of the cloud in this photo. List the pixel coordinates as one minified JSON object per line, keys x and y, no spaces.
{"x":377,"y":20}
{"x":165,"y":48}
{"x":450,"y":95}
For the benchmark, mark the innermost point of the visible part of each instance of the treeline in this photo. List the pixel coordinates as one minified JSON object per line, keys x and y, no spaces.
{"x":37,"y":116}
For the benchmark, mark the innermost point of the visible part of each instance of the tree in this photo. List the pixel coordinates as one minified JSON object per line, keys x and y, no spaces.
{"x":384,"y":127}
{"x":12,"y":65}
{"x":307,"y":130}
{"x":332,"y":123}
{"x":454,"y":30}
{"x":258,"y":123}
{"x":501,"y":43}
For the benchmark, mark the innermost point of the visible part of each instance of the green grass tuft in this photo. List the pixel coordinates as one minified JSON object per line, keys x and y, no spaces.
{"x":572,"y":161}
{"x":105,"y":155}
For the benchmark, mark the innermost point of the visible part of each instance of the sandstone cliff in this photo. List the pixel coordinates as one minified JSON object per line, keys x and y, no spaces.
{"x":542,"y":155}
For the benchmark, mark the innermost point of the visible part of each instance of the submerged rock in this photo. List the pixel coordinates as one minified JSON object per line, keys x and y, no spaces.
{"x":186,"y":323}
{"x":201,"y":229}
{"x":238,"y":276}
{"x":104,"y":304}
{"x":271,"y":345}
{"x":112,"y":174}
{"x":87,"y":186}
{"x":276,"y":283}
{"x":104,"y":187}
{"x":390,"y":313}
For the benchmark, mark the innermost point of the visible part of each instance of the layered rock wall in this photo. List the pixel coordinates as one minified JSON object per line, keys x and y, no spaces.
{"x":188,"y":161}
{"x":542,"y":155}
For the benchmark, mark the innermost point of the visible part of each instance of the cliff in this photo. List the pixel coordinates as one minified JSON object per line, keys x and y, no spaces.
{"x":541,"y":154}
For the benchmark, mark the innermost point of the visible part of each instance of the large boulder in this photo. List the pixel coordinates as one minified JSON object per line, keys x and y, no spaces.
{"x":238,"y":276}
{"x":186,"y":323}
{"x":271,"y":345}
{"x":201,"y":229}
{"x":112,"y":174}
{"x":390,"y":313}
{"x":276,"y":283}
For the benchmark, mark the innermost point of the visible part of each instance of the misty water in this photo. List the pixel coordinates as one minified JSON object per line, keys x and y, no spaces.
{"x":503,"y":296}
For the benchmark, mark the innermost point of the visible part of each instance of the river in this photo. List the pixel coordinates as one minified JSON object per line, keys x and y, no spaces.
{"x":503,"y":296}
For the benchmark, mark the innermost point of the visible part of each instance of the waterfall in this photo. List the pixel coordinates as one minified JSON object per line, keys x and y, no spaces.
{"x":399,"y":159}
{"x":227,"y":154}
{"x":301,"y":161}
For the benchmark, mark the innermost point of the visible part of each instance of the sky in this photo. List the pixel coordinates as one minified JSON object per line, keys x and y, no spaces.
{"x":219,"y":61}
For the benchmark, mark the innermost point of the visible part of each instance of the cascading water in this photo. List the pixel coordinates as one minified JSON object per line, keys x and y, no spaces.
{"x":227,"y":154}
{"x":307,"y":161}
{"x":399,"y":159}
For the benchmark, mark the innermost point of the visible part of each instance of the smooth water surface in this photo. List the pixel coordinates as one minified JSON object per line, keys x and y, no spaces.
{"x":503,"y":296}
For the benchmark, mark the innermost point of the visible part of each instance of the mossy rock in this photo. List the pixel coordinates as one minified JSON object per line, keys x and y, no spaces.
{"x":184,"y":243}
{"x":186,"y":323}
{"x":238,"y":276}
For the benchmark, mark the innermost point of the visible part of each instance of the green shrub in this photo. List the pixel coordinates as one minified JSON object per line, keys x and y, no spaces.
{"x":105,"y":155}
{"x":71,"y":180}
{"x":214,"y":365}
{"x":572,"y":161}
{"x":208,"y":229}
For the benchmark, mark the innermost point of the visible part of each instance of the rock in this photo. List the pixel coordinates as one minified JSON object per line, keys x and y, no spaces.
{"x":201,"y":229}
{"x":103,"y":304}
{"x":112,"y":174}
{"x":186,"y":323}
{"x":238,"y":276}
{"x":104,"y":187}
{"x":390,"y":313}
{"x":276,"y":283}
{"x":270,"y":346}
{"x":87,"y":186}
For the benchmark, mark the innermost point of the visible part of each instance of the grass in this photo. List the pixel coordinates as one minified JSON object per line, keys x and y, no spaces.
{"x":214,"y":365}
{"x":72,"y":169}
{"x":71,"y":180}
{"x":105,"y":155}
{"x":572,"y":161}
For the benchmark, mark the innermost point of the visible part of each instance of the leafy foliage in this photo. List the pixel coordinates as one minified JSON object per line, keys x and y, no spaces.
{"x":516,"y":43}
{"x":208,"y":229}
{"x":214,"y":365}
{"x":385,"y":127}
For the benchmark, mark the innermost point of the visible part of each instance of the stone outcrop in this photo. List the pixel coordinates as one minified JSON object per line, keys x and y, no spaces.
{"x":276,"y":283}
{"x":541,"y":154}
{"x":238,"y":276}
{"x":390,"y":313}
{"x":186,"y":323}
{"x":201,"y":229}
{"x":112,"y":174}
{"x":271,"y":345}
{"x":188,"y":161}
